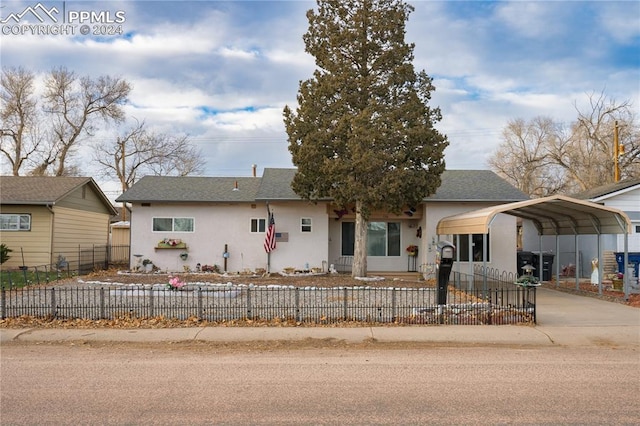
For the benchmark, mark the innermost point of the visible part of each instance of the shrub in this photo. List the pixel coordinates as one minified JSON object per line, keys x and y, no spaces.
{"x":4,"y":253}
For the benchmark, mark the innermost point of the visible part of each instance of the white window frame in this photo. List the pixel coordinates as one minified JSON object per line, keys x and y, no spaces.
{"x":15,"y":219}
{"x":306,"y":227}
{"x":173,"y":224}
{"x":261,"y":225}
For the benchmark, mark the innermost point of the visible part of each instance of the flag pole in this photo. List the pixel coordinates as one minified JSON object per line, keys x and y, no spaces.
{"x":270,"y":237}
{"x":268,"y":252}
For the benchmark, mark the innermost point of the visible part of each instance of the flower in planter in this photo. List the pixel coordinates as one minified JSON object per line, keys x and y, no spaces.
{"x":170,"y":242}
{"x":526,"y":280}
{"x":175,"y":283}
{"x":412,"y":250}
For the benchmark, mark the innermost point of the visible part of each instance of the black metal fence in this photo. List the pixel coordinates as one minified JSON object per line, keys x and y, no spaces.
{"x":466,"y":304}
{"x":80,"y":261}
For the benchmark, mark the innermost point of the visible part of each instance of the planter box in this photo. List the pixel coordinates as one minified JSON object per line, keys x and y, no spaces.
{"x":167,"y":246}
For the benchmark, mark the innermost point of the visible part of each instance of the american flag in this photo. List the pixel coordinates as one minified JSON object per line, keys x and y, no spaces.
{"x":270,"y":237}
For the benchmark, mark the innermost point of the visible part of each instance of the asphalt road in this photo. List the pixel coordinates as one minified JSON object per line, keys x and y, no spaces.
{"x":324,"y":383}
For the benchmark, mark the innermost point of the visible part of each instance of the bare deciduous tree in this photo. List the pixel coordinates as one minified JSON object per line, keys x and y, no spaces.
{"x":138,"y":152}
{"x":44,"y":140}
{"x":75,"y":104}
{"x":588,"y":155}
{"x":543,"y":158}
{"x":523,"y":157}
{"x":19,"y":136}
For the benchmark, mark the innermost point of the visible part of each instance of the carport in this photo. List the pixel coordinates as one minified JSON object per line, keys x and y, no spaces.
{"x":555,"y":215}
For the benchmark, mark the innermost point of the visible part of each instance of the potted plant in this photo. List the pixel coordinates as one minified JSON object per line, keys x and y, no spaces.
{"x":617,"y":280}
{"x":412,"y":250}
{"x":528,"y":281}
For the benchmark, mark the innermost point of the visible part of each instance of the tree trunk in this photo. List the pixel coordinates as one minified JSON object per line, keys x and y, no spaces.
{"x":359,"y":267}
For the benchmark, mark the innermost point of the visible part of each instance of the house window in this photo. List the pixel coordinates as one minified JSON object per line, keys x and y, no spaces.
{"x":173,"y":224}
{"x":476,"y":243}
{"x":383,"y":238}
{"x":15,"y":222}
{"x":258,"y":225}
{"x":637,"y":229}
{"x":305,"y":224}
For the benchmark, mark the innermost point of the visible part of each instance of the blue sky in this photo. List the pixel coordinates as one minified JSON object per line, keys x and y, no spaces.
{"x":222,"y":72}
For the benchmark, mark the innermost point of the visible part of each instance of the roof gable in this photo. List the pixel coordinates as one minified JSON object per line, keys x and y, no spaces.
{"x":37,"y":189}
{"x":45,"y":190}
{"x":607,"y":191}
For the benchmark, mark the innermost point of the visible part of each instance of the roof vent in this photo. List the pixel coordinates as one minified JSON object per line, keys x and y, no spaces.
{"x":235,"y":187}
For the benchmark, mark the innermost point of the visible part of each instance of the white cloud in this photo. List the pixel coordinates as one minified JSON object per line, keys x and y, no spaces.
{"x":222,"y":71}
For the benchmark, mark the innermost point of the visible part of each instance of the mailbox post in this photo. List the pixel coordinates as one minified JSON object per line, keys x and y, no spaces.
{"x":445,"y":256}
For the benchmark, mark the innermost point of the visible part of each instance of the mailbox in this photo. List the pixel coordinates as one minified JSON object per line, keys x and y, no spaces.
{"x":444,"y":260}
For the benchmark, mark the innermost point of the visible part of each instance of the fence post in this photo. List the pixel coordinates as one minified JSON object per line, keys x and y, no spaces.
{"x":297,"y":295}
{"x":199,"y":302}
{"x":151,"y":302}
{"x":345,"y":305}
{"x":248,"y":303}
{"x":53,"y":302}
{"x":3,"y":303}
{"x":535,"y":306}
{"x":393,"y":305}
{"x":102,"y":307}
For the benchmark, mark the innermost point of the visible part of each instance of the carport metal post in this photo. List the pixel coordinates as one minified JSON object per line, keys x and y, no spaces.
{"x":470,"y":254}
{"x":557,"y":261}
{"x":540,"y":267}
{"x":625,"y":277}
{"x":484,"y":264}
{"x":599,"y":263}
{"x":577,"y":263}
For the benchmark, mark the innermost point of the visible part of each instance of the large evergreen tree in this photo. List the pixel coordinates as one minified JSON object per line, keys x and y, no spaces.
{"x":363,"y":132}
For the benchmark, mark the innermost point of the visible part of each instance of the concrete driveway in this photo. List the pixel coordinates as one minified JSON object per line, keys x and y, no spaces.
{"x":568,"y":319}
{"x":556,"y":308}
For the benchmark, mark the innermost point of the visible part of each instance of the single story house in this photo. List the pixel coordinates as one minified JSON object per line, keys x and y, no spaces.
{"x":43,"y":218}
{"x":183,"y":222}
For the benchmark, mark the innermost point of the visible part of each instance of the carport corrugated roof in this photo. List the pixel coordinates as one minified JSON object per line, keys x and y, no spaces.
{"x":554,"y":215}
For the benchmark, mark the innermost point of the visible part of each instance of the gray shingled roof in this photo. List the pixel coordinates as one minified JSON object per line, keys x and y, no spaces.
{"x":197,"y":189}
{"x":275,"y":184}
{"x":44,"y":190}
{"x":475,"y":185}
{"x":37,"y":189}
{"x":603,"y":190}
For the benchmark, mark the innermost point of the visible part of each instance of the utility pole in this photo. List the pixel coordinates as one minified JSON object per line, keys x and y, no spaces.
{"x":616,"y":153}
{"x":124,"y":184}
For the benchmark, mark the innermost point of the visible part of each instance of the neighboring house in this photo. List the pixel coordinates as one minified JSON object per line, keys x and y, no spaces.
{"x":222,"y":221}
{"x":624,"y":196}
{"x":42,"y":218}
